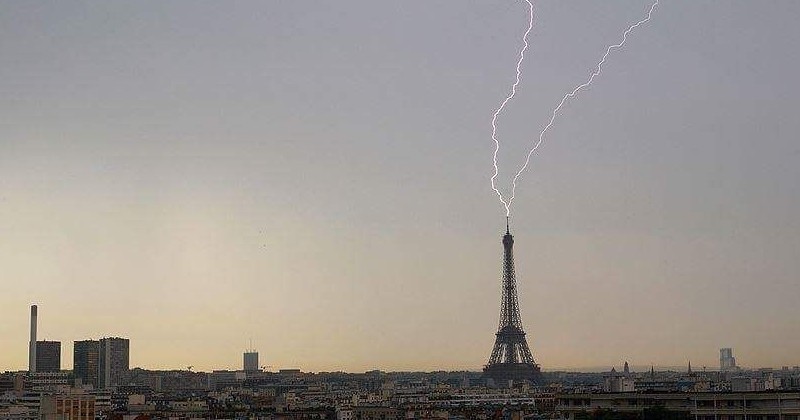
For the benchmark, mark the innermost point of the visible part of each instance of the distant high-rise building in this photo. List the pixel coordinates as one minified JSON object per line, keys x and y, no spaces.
{"x":251,"y":361}
{"x":48,"y":356}
{"x":113,"y":361}
{"x":85,"y":361}
{"x":32,"y":341}
{"x":726,"y":360}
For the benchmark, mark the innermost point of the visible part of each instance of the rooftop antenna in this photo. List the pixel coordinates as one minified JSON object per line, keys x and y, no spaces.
{"x":507,"y":230}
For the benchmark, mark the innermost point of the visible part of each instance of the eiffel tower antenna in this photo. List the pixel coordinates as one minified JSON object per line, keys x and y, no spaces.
{"x":511,"y":358}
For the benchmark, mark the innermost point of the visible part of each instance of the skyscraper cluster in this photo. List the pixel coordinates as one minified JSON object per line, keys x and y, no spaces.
{"x":102,"y":363}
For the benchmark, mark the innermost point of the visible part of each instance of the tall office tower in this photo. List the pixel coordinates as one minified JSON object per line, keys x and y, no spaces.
{"x":511,"y":359}
{"x":85,"y":361}
{"x":48,"y":356}
{"x":250,"y":361}
{"x":113,"y":361}
{"x":32,"y":342}
{"x":726,"y":360}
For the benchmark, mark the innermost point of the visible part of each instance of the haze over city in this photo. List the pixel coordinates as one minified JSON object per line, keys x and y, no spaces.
{"x":314,"y":177}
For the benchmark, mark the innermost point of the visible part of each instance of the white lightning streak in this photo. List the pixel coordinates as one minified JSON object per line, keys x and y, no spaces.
{"x":570,"y":95}
{"x":503,"y":105}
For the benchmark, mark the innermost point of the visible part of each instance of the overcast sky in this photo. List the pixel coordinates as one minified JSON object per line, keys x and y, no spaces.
{"x":314,"y":177}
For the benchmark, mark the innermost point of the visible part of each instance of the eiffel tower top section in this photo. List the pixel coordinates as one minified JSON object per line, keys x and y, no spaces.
{"x":509,"y":306}
{"x":508,"y":240}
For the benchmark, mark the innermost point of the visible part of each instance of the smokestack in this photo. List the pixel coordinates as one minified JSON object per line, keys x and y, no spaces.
{"x":32,"y":344}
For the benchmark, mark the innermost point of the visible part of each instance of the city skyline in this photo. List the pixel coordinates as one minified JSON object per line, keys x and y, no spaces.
{"x":315,"y":178}
{"x":250,"y":354}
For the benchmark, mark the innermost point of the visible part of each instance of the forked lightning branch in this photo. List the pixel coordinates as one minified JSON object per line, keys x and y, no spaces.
{"x":556,"y":111}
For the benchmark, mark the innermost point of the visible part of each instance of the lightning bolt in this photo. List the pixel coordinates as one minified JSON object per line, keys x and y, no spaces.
{"x":505,"y":102}
{"x":557,"y":109}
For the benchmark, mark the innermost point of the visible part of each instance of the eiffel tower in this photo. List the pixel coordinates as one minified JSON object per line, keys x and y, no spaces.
{"x":511,"y":359}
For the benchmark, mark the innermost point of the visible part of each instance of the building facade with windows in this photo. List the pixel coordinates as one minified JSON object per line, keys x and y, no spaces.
{"x":113,"y":361}
{"x":67,"y":406}
{"x":48,"y":356}
{"x":85,"y":361}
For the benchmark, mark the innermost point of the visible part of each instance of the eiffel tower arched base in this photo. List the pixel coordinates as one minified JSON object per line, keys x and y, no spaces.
{"x":501,"y":373}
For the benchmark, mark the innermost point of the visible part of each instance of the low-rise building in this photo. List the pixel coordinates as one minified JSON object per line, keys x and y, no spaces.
{"x":377,"y":413}
{"x":18,"y":412}
{"x":700,"y":405}
{"x":67,"y":407}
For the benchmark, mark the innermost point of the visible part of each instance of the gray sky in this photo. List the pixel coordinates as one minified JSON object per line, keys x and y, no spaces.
{"x":314,"y":176}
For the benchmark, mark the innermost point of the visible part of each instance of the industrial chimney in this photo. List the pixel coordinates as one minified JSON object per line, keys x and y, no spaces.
{"x":32,"y":344}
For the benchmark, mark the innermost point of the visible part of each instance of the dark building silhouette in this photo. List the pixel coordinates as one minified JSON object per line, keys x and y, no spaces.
{"x":726,"y":360}
{"x":85,"y":359}
{"x":511,"y":359}
{"x":250,"y":361}
{"x":48,"y":356}
{"x":113,"y":361}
